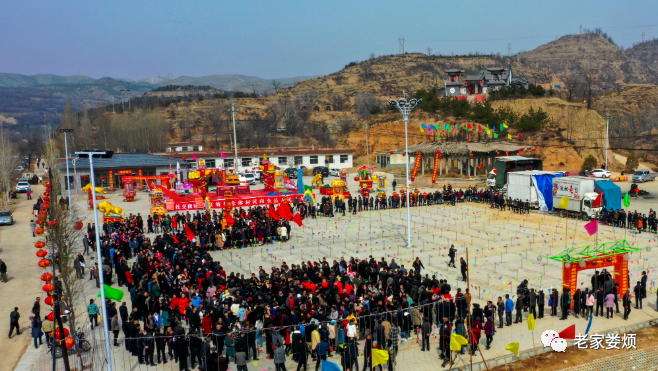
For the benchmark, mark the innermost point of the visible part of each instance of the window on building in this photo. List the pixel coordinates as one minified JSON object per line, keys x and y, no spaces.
{"x":195,"y":148}
{"x":299,"y":160}
{"x":283,"y":160}
{"x":343,"y":159}
{"x":228,"y":162}
{"x":329,"y":159}
{"x":210,"y":164}
{"x":246,"y":161}
{"x":313,"y":160}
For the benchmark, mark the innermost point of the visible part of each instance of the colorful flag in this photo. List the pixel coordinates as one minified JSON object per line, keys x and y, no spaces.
{"x":273,"y":214}
{"x":597,"y":202}
{"x":627,"y":200}
{"x":456,"y":342}
{"x":592,"y":227}
{"x":330,"y":366}
{"x":570,"y":332}
{"x":503,"y":126}
{"x":297,"y":219}
{"x":564,"y":202}
{"x":111,"y":293}
{"x":495,"y":135}
{"x":188,"y":232}
{"x":509,"y":136}
{"x":531,"y":322}
{"x":379,"y":357}
{"x":229,"y":218}
{"x":513,"y":347}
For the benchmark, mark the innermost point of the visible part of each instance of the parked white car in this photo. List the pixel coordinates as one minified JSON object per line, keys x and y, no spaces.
{"x":600,"y":173}
{"x":333,"y":172}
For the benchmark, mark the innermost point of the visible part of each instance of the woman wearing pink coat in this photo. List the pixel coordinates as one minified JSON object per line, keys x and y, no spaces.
{"x":609,"y":304}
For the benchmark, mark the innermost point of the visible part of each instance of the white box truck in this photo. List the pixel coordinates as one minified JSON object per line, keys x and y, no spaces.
{"x":520,"y":185}
{"x":580,"y":194}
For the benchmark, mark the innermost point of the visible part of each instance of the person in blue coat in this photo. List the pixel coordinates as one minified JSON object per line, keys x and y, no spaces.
{"x":36,"y":330}
{"x":509,"y":308}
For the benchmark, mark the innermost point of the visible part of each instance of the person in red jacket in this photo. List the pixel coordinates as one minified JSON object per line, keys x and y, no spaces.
{"x":475,"y":335}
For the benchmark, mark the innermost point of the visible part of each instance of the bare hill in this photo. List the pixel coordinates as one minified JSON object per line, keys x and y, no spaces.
{"x":584,"y":54}
{"x":647,"y":53}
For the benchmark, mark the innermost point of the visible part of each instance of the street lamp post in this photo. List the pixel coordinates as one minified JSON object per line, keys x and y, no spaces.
{"x":68,"y":174}
{"x":101,"y":279}
{"x":367,"y":145}
{"x":405,"y":107}
{"x":235,"y":138}
{"x":75,"y":176}
{"x":607,"y":138}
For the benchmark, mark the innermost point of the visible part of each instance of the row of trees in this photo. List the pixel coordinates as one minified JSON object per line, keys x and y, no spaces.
{"x":143,"y":130}
{"x":482,"y":112}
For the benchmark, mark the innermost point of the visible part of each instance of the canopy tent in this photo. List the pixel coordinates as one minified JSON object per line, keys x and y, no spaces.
{"x":611,"y":194}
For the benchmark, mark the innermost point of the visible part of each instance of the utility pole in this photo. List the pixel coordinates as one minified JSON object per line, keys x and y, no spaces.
{"x":509,"y":49}
{"x":235,"y":138}
{"x":68,"y":174}
{"x":253,"y":87}
{"x":401,"y":47}
{"x":581,"y":29}
{"x":122,"y":106}
{"x":130,"y":95}
{"x":367,"y":145}
{"x":607,"y":137}
{"x":642,"y":36}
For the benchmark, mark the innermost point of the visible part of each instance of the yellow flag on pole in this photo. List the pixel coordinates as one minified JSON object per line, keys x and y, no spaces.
{"x":379,"y":357}
{"x":531,"y":322}
{"x":513,"y":347}
{"x":564,"y":202}
{"x":456,"y":342}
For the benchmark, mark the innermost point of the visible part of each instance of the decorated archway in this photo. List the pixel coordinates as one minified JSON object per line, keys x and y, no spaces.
{"x":598,"y":256}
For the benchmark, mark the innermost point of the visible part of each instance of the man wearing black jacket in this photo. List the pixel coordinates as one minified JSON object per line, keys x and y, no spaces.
{"x":533,"y":303}
{"x":626,"y":303}
{"x":501,"y":311}
{"x":182,"y":353}
{"x":565,"y":301}
{"x":519,"y":309}
{"x":540,"y":303}
{"x":600,"y":299}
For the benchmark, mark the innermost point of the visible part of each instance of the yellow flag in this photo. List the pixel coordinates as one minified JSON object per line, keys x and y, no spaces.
{"x":531,"y":322}
{"x":509,"y":136}
{"x":456,"y":342}
{"x":513,"y":347}
{"x":564,"y":202}
{"x":256,"y":363}
{"x":379,"y":357}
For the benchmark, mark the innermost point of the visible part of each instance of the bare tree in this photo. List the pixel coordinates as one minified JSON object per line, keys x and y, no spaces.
{"x":345,"y":125}
{"x":372,"y":56}
{"x":364,"y":103}
{"x":276,"y":85}
{"x":429,"y":52}
{"x":569,"y":120}
{"x":589,"y":80}
{"x":310,"y":98}
{"x":571,"y":83}
{"x":367,"y":72}
{"x":337,"y":101}
{"x":66,"y":240}
{"x":9,"y":160}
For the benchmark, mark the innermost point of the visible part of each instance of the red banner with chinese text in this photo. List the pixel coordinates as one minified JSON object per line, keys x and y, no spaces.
{"x":416,"y":165}
{"x":436,"y":166}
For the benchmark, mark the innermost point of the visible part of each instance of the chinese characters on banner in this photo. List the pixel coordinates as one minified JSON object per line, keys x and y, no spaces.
{"x":110,"y":174}
{"x":612,"y":341}
{"x":566,"y":187}
{"x":436,"y":166}
{"x":220,"y":204}
{"x":416,"y":165}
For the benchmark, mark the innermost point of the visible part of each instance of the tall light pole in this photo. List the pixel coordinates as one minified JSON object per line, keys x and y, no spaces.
{"x":68,"y":174}
{"x":405,"y":107}
{"x":607,"y":138}
{"x":75,"y":176}
{"x":235,"y":138}
{"x":367,"y":145}
{"x":90,"y":155}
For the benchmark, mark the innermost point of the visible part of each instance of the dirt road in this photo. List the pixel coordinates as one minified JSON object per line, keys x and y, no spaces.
{"x":18,"y":252}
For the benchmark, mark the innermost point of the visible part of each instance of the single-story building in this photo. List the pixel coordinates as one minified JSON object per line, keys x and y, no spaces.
{"x":294,"y":157}
{"x":109,"y":171}
{"x":474,"y":158}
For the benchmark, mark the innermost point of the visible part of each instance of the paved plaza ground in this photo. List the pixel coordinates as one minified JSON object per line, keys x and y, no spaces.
{"x":503,"y":249}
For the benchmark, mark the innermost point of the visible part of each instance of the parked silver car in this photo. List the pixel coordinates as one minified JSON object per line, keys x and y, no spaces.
{"x":6,"y":218}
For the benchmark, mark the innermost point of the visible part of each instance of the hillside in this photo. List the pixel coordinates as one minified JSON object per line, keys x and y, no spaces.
{"x":41,"y":99}
{"x":584,"y":54}
{"x":627,"y":100}
{"x":646,"y":52}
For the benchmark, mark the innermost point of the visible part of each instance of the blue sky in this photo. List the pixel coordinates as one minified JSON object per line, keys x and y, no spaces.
{"x":273,"y":39}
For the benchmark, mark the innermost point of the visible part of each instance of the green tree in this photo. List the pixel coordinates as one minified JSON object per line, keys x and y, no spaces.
{"x":589,"y":163}
{"x":533,"y":120}
{"x":632,"y":162}
{"x":536,"y":90}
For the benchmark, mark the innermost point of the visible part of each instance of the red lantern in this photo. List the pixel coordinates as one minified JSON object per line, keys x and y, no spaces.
{"x":85,"y":177}
{"x":391,"y":152}
{"x":533,"y":150}
{"x":497,"y":153}
{"x":69,"y":342}
{"x":356,"y":178}
{"x":49,"y":287}
{"x":183,"y":158}
{"x":103,"y":178}
{"x":44,"y":263}
{"x":47,"y":184}
{"x":59,"y":336}
{"x":479,"y":166}
{"x":39,"y":231}
{"x":46,"y":205}
{"x":42,"y":212}
{"x":47,"y":192}
{"x":42,"y":253}
{"x":520,"y":136}
{"x":48,"y":300}
{"x":46,"y":199}
{"x":52,"y":223}
{"x":495,"y":171}
{"x":79,"y":225}
{"x":470,"y":154}
{"x":40,"y":245}
{"x":404,"y":154}
{"x":40,"y":221}
{"x":47,"y":277}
